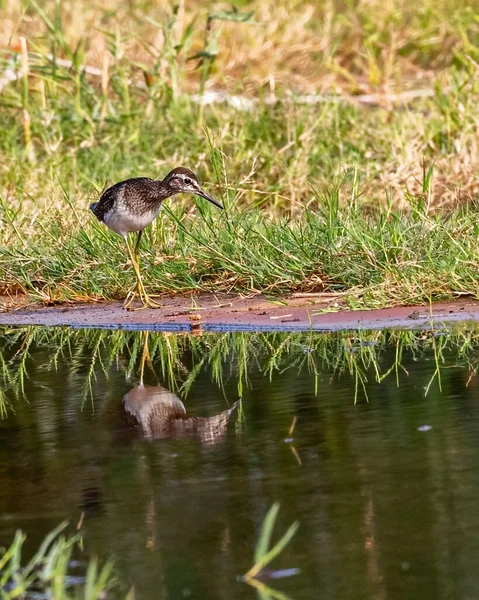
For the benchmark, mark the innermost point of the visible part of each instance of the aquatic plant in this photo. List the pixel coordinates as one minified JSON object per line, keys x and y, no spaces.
{"x":48,"y":574}
{"x":265,"y":553}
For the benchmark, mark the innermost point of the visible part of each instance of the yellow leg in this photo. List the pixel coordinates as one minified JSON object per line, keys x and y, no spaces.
{"x":145,"y":355}
{"x":137,"y":248}
{"x":139,"y":290}
{"x":137,"y":260}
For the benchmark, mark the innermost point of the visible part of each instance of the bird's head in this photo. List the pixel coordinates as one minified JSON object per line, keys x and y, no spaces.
{"x":183,"y":180}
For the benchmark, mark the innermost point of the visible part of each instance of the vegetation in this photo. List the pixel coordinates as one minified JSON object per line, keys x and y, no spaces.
{"x":50,"y":375}
{"x":376,"y":201}
{"x":47,"y":574}
{"x":265,"y":554}
{"x":367,"y":357}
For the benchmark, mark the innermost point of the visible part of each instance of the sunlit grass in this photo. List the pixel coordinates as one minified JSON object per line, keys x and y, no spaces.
{"x":319,"y":197}
{"x":302,"y":45}
{"x":376,"y":259}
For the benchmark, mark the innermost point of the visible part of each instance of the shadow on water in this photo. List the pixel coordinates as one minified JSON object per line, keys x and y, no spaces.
{"x":169,"y":450}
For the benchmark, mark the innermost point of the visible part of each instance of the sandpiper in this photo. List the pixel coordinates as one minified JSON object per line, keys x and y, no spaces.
{"x":131,"y":205}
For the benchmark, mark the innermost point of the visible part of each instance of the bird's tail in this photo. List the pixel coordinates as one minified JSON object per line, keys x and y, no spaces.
{"x":93,"y":207}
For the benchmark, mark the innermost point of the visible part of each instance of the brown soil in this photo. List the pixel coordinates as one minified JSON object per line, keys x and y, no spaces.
{"x":233,"y":313}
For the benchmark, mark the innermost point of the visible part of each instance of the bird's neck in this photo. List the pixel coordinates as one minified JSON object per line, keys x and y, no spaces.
{"x":161,"y":192}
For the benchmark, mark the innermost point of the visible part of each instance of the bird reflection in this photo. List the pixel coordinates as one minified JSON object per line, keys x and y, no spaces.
{"x":161,"y":414}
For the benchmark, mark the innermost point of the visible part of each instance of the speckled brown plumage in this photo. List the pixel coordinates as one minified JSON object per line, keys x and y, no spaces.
{"x":180,"y":171}
{"x":161,"y":414}
{"x":138,"y":193}
{"x":131,"y":205}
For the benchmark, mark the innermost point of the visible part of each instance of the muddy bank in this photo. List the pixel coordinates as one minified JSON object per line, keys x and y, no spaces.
{"x":232,"y":313}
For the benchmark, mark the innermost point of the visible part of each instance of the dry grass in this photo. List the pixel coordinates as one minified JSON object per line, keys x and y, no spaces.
{"x":294,"y":47}
{"x":299,"y":46}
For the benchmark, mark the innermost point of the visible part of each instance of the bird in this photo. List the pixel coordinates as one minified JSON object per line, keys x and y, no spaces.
{"x":131,"y":205}
{"x":159,"y":414}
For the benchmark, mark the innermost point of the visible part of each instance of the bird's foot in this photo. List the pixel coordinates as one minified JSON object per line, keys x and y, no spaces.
{"x":146,"y":300}
{"x":132,"y":294}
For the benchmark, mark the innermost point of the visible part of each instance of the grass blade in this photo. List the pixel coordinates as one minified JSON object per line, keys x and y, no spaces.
{"x":266,"y":533}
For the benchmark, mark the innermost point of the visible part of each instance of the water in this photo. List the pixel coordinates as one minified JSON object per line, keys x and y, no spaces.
{"x":382,"y":476}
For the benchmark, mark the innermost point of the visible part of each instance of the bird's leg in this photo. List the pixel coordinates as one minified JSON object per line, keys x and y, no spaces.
{"x":146,"y":298}
{"x":139,"y":288}
{"x":134,"y":292}
{"x":137,"y":248}
{"x":137,"y":260}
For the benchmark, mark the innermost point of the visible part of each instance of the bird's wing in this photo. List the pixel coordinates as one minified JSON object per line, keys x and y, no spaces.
{"x":111,"y":195}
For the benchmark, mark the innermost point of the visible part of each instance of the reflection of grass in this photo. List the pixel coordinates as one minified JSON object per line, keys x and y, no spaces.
{"x":265,"y":553}
{"x":47,"y":573}
{"x":178,"y":359}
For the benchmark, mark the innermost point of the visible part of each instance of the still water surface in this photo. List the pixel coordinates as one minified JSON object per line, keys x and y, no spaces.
{"x":386,"y":488}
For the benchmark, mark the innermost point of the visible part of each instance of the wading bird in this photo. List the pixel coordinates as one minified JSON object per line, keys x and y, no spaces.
{"x":161,"y":414}
{"x":131,"y":205}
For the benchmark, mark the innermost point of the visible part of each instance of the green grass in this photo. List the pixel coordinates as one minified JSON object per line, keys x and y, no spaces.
{"x":48,"y":573}
{"x":265,"y":553}
{"x":387,"y":257}
{"x":364,"y":356}
{"x":377,"y":203}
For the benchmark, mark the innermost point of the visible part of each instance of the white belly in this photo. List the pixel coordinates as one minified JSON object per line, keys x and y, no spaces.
{"x":123,"y":221}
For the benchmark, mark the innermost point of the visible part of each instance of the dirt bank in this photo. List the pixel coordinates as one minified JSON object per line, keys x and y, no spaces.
{"x":232,"y":313}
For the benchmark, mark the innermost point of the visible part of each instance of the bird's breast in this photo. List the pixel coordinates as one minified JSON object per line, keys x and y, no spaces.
{"x":123,"y":220}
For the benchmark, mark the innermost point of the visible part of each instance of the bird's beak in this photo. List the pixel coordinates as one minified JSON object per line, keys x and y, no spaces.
{"x":209,"y":198}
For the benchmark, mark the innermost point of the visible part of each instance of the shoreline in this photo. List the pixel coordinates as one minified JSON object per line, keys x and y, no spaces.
{"x":235,"y":313}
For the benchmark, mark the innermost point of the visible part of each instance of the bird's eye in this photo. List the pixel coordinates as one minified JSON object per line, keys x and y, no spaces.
{"x":187,"y":181}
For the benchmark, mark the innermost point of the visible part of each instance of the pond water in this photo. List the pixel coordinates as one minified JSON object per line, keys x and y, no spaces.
{"x":370,"y":441}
